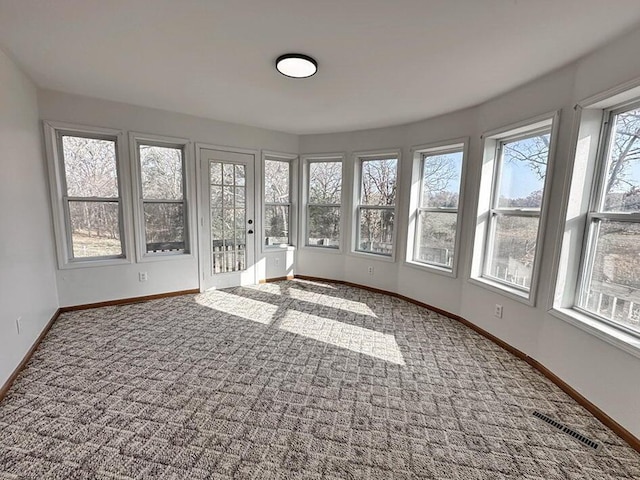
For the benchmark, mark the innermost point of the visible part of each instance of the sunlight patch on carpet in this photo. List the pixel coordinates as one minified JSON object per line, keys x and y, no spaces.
{"x":247,"y":308}
{"x":343,"y":335}
{"x":333,"y":302}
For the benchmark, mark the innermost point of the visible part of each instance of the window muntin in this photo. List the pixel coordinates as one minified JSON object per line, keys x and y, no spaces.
{"x":437,"y":214}
{"x":609,"y":284}
{"x":228,"y":207}
{"x":91,"y":196}
{"x":514,"y":217}
{"x":324,"y":191}
{"x":277,"y":202}
{"x":163,"y":202}
{"x":376,"y":205}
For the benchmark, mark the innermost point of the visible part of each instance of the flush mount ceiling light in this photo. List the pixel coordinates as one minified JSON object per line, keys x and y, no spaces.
{"x":296,"y":65}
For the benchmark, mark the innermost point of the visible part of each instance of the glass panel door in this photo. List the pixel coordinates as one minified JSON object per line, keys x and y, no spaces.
{"x":229,"y":226}
{"x":228,"y":216}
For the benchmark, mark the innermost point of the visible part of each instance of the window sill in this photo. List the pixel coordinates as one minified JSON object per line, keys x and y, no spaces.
{"x":425,"y":267}
{"x":374,"y":256}
{"x":513,"y":293}
{"x":108,"y":262}
{"x":601,"y":330}
{"x":161,"y":257}
{"x":278,"y":248}
{"x":329,"y":250}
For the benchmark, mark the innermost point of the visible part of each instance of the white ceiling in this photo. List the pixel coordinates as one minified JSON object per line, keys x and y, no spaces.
{"x":381,"y":62}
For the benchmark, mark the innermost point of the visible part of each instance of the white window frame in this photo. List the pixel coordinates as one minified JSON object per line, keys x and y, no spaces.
{"x":581,"y":192}
{"x":59,"y":199}
{"x":420,"y":152}
{"x":188,"y":177}
{"x":307,"y":160}
{"x":359,"y":158}
{"x":292,"y":159}
{"x":487,"y":205}
{"x":597,"y":212}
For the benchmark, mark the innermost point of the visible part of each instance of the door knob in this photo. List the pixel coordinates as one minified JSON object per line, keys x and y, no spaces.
{"x":250,"y":222}
{"x":250,"y":232}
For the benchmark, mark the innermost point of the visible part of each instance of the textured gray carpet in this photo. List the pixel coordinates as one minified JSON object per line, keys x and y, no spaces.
{"x":292,"y":380}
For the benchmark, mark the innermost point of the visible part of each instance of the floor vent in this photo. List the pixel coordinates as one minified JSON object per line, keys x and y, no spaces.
{"x":563,"y":428}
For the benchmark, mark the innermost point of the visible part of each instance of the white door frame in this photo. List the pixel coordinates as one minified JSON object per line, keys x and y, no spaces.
{"x":203,"y":209}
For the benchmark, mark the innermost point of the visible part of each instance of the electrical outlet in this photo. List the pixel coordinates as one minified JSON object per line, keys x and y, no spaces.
{"x":498,"y":311}
{"x":18,"y":324}
{"x":142,"y":276}
{"x":276,"y":261}
{"x":370,"y":270}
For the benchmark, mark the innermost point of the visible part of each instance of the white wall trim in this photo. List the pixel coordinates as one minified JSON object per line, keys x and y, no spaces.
{"x":485,"y":200}
{"x":56,"y":185}
{"x":199,"y":146}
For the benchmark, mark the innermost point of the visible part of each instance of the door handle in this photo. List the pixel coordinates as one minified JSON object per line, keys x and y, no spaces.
{"x":250,"y":222}
{"x":250,"y":232}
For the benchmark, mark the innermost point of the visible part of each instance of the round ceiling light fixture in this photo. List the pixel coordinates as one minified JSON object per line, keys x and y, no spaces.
{"x":296,"y":65}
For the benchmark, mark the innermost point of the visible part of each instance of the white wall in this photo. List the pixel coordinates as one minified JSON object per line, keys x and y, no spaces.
{"x":27,"y":268}
{"x":96,"y":284}
{"x":604,"y":374}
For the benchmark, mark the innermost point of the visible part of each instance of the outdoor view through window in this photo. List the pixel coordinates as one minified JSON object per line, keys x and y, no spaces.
{"x":610,"y":280}
{"x":438,"y":211}
{"x":323,"y":209}
{"x":277,"y":203}
{"x":376,"y":208}
{"x":228,"y":204}
{"x":92,"y":197}
{"x":518,"y":190}
{"x":163,"y":203}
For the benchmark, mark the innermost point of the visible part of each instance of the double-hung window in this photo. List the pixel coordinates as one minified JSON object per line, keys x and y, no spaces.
{"x":511,"y":208}
{"x":436,"y":230}
{"x":162,"y":215}
{"x":514,"y":217}
{"x":324,"y":200}
{"x":87,"y":194}
{"x":376,"y":204}
{"x":277,"y":201}
{"x":609,"y":281}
